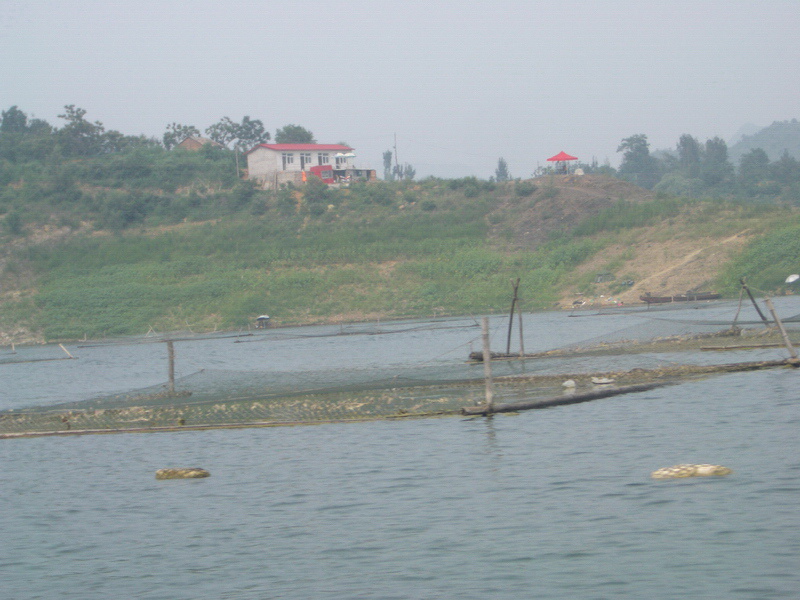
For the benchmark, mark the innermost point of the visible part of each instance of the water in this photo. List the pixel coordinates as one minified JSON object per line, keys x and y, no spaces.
{"x":547,"y":504}
{"x":310,"y":357}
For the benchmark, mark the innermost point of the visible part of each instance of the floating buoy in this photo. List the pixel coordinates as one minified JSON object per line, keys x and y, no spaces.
{"x":679,"y":471}
{"x":192,"y":473}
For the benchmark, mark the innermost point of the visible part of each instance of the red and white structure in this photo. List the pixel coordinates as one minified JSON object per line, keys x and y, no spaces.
{"x":274,"y":165}
{"x":561,"y":161}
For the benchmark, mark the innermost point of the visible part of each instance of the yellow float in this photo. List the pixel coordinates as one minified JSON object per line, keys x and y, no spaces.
{"x":191,"y":473}
{"x":679,"y":471}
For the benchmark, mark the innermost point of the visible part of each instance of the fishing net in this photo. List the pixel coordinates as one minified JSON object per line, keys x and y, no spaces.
{"x":679,"y":328}
{"x":636,"y":345}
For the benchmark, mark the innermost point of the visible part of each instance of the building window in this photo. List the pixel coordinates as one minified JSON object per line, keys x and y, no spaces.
{"x":305,"y":159}
{"x":288,"y":159}
{"x":341,"y":162}
{"x":323,"y":159}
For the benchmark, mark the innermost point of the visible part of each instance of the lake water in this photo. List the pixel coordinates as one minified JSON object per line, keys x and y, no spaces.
{"x":547,"y":504}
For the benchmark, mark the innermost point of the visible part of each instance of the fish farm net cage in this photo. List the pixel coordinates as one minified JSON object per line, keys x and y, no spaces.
{"x":218,"y":398}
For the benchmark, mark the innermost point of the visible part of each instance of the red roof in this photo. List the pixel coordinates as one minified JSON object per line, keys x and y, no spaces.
{"x":562,"y":156}
{"x":304,"y":147}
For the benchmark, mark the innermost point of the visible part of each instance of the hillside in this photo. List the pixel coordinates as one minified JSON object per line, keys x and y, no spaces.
{"x":558,"y":204}
{"x":775,"y":139}
{"x":677,"y":253}
{"x":382,"y":251}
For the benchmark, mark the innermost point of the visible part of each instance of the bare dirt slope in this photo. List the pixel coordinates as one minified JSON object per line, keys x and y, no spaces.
{"x":559,"y":202}
{"x":675,"y":265}
{"x":669,"y":258}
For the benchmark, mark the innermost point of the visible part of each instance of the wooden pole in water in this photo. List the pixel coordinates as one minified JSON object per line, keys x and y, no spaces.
{"x":753,"y":300}
{"x":511,"y":316}
{"x":563,"y":399}
{"x":789,"y":347}
{"x":487,"y":367}
{"x":521,"y":340}
{"x":171,"y":358}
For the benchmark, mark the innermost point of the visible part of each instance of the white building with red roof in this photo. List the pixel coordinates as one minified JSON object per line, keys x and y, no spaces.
{"x":273,"y":165}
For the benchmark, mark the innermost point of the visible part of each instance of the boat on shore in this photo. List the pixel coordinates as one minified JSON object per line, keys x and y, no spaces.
{"x":687,"y":297}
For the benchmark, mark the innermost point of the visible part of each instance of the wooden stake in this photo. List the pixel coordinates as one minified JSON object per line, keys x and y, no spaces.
{"x":779,"y":323}
{"x":487,"y":369}
{"x":511,"y":315}
{"x":65,"y":350}
{"x":753,"y":300}
{"x":521,"y":340}
{"x":171,"y":358}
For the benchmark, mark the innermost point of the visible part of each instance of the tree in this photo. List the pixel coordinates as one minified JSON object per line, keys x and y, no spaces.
{"x":785,"y":170}
{"x":13,"y":121}
{"x":250,"y":133}
{"x":388,"y":174}
{"x":753,"y":167}
{"x":317,"y":195}
{"x":690,"y":154}
{"x":176,"y":133}
{"x":223,"y":132}
{"x":294,"y":134}
{"x":501,"y":172}
{"x":79,"y":137}
{"x":39,"y":127}
{"x":637,"y":164}
{"x":716,"y":168}
{"x":114,"y":141}
{"x":404,"y":171}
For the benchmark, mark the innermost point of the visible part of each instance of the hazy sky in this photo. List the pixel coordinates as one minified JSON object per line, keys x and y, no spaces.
{"x":460,"y":83}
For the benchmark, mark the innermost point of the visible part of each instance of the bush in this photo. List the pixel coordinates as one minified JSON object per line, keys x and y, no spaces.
{"x":524,"y":188}
{"x":13,"y":222}
{"x":471,"y":191}
{"x":428,"y":205}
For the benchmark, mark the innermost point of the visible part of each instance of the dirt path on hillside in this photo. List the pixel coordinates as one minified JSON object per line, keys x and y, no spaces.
{"x":661,"y":267}
{"x":695,"y":255}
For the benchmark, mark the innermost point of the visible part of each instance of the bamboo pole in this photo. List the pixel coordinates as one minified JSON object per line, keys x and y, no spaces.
{"x":521,"y":339}
{"x":488,"y":408}
{"x":171,"y":368}
{"x":784,"y":335}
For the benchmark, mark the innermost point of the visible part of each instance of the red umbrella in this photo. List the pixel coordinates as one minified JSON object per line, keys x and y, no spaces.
{"x":561,"y":156}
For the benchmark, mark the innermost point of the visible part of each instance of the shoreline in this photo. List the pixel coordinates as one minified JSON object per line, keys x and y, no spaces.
{"x":30,"y":340}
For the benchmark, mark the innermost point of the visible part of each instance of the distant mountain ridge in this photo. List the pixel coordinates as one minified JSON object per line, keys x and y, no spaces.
{"x":744,"y":130}
{"x":774,"y":140}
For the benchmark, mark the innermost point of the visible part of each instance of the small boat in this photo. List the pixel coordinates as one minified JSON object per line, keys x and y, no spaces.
{"x":687,"y":297}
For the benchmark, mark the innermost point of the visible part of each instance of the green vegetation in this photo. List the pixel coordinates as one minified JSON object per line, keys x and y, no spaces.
{"x":766,"y":166}
{"x":222,"y":275}
{"x":106,"y":234}
{"x":767,"y":261}
{"x":627,"y":215}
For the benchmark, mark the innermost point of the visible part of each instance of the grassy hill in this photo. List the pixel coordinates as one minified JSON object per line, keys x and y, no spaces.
{"x":378,"y":251}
